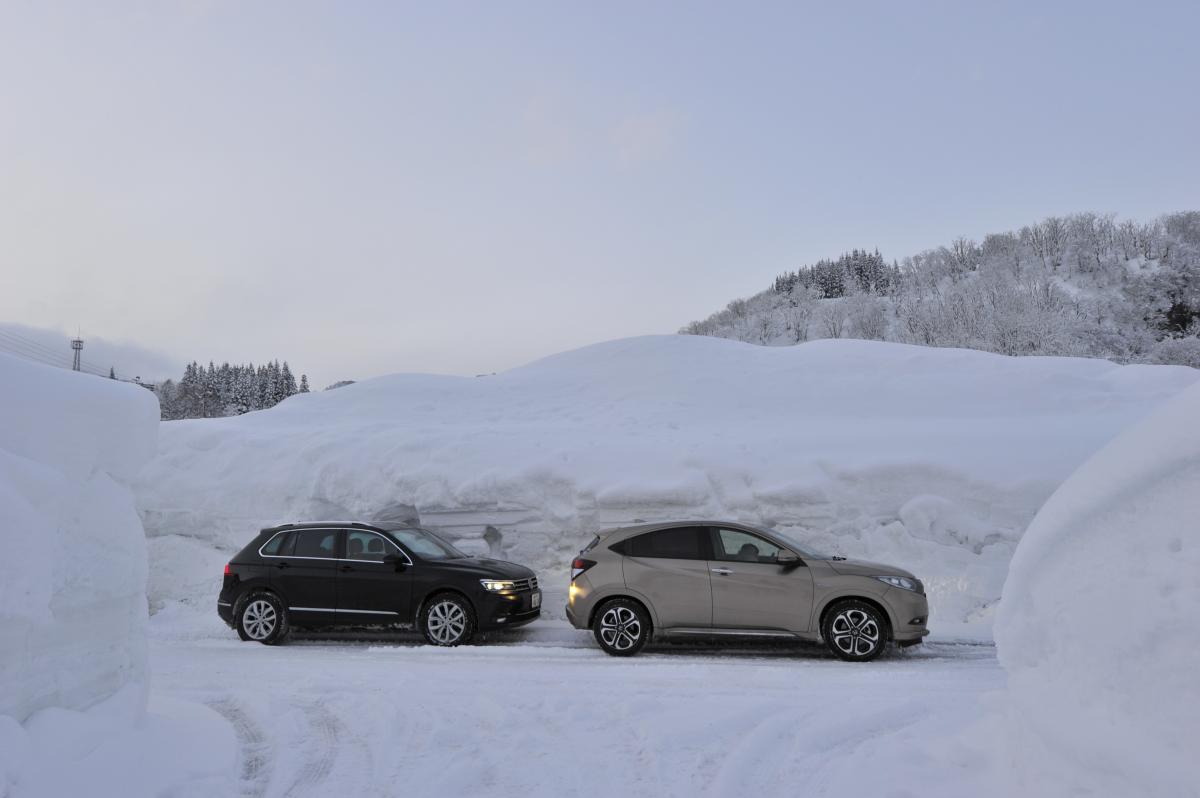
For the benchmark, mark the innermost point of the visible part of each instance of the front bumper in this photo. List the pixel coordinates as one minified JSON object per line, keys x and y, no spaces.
{"x":911,"y":613}
{"x":506,"y":610}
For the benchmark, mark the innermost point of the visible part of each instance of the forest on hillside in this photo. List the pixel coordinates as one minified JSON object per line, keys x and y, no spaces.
{"x":1082,"y":285}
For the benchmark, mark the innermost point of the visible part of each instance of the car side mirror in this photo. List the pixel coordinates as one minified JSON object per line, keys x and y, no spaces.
{"x":785,"y":557}
{"x":396,"y":561}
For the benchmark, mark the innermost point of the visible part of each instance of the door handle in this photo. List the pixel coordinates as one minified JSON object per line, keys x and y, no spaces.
{"x":722,"y":571}
{"x":347,"y":567}
{"x":283,"y":565}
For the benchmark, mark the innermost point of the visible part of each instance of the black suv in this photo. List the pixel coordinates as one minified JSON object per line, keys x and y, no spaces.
{"x":322,"y":575}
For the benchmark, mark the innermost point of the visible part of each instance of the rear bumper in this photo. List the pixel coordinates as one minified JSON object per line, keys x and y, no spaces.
{"x":225,"y":610}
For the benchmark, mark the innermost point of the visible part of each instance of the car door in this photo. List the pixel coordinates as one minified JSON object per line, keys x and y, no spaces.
{"x":670,"y":568}
{"x":369,"y":589}
{"x":752,"y":591}
{"x":305,"y":574}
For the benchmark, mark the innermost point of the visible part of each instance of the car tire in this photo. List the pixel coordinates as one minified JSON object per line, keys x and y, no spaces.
{"x":855,"y":631}
{"x":448,"y":620}
{"x":261,"y":617}
{"x":621,"y":627}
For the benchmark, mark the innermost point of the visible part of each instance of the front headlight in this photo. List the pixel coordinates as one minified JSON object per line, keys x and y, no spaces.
{"x":496,"y":585}
{"x":902,"y":582}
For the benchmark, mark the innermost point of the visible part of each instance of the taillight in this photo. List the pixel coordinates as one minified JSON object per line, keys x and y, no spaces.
{"x":579,"y":566}
{"x":227,"y":571}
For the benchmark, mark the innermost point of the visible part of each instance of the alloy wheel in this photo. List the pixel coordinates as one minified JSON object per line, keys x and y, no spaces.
{"x":446,"y":622}
{"x":258,"y":619}
{"x":855,"y":632}
{"x":620,"y":628}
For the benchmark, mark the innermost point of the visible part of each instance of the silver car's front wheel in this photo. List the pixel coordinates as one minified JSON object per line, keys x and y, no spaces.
{"x":855,"y":631}
{"x":621,"y":628}
{"x":448,"y":621}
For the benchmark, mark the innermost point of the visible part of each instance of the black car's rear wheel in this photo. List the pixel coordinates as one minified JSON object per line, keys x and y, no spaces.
{"x":855,"y":631}
{"x":448,"y":620}
{"x":622,"y":627}
{"x":261,"y":617}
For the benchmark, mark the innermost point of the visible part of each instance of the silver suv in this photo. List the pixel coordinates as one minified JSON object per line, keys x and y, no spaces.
{"x":710,"y":579}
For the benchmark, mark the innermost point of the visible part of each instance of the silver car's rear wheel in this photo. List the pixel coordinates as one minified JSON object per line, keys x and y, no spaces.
{"x":854,"y":630}
{"x":621,"y":628}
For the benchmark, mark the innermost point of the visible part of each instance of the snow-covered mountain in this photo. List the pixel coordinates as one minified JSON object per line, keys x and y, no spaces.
{"x":935,"y":459}
{"x":1082,"y":285}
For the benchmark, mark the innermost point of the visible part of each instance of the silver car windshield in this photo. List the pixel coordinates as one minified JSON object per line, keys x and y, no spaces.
{"x":425,"y":544}
{"x":803,"y":549}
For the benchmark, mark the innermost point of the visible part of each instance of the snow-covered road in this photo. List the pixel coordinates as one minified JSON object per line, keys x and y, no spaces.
{"x":542,"y":711}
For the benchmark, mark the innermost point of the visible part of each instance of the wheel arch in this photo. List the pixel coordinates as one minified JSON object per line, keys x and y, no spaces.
{"x":442,"y":590}
{"x":627,"y":595}
{"x":830,"y":603}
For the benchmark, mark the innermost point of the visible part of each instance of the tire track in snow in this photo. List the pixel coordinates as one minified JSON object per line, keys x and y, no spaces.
{"x":325,"y":740}
{"x":255,"y":751}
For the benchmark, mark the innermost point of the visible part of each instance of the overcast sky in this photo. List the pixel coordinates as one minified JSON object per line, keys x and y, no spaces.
{"x":459,"y":188}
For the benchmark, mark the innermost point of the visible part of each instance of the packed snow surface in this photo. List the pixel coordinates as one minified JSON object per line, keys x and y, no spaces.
{"x":932,"y":459}
{"x":72,"y":598}
{"x":1097,"y":624}
{"x":544,"y":712}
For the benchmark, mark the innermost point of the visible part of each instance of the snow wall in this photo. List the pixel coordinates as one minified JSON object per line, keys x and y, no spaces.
{"x":1097,"y":626}
{"x":72,"y":598}
{"x":932,"y":459}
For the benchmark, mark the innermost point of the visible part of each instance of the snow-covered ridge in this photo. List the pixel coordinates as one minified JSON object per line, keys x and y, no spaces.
{"x":72,"y":598}
{"x":935,"y":459}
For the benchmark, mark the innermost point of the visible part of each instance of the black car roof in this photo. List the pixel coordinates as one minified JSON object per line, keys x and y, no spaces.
{"x":322,"y":525}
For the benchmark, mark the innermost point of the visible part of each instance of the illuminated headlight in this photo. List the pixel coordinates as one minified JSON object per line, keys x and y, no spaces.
{"x":902,"y":582}
{"x":496,"y":585}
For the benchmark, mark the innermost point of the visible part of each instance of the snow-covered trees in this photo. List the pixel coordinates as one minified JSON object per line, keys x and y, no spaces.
{"x":1078,"y":285}
{"x":211,"y":392}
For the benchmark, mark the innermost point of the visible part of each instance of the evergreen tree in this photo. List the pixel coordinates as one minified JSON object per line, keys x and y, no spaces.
{"x":303,"y":383}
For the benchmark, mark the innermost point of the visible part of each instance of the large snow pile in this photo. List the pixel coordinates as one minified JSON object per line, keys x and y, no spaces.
{"x":935,"y":459}
{"x":1097,"y":623}
{"x":72,"y":597}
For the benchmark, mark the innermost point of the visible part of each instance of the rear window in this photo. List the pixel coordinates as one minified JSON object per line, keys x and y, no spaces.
{"x":677,"y":543}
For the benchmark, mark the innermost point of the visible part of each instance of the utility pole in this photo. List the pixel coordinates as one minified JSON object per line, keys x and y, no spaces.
{"x":77,"y":345}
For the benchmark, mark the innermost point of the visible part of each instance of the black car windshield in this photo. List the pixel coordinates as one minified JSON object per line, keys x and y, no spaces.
{"x":425,"y":544}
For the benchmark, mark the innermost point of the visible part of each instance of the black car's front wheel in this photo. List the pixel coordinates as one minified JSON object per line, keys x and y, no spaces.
{"x":855,"y":631}
{"x":261,"y":617}
{"x":622,"y":627}
{"x":448,"y":620}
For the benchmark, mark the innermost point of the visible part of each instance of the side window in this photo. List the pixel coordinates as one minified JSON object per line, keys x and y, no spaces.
{"x":316,"y":542}
{"x":738,"y":546}
{"x":367,"y":546}
{"x":678,"y":543}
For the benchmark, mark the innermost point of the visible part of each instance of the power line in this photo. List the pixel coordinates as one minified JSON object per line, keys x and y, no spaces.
{"x":30,"y":345}
{"x":17,"y":344}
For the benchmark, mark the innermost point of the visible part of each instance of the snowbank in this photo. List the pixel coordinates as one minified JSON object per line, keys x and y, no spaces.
{"x":72,"y":599}
{"x":1096,"y":626}
{"x":935,"y":459}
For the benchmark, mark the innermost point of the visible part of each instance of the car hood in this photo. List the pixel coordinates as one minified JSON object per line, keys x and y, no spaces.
{"x":867,"y":568}
{"x":487,"y":567}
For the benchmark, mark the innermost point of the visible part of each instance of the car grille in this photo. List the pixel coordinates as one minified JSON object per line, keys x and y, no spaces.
{"x":525,"y":584}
